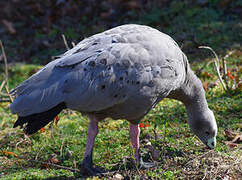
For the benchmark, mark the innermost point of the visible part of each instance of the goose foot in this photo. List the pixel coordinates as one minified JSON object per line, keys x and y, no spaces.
{"x":88,"y":170}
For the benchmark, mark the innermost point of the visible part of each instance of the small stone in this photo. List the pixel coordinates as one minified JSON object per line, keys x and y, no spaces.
{"x":118,"y":177}
{"x":68,"y":154}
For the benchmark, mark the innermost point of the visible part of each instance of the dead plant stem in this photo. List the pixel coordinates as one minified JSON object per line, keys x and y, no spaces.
{"x":65,"y":42}
{"x":216,"y":63}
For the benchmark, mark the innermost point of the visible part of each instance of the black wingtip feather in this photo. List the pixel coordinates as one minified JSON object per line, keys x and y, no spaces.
{"x":37,"y":121}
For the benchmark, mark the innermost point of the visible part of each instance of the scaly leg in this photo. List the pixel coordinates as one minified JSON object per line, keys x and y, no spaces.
{"x":134,"y":132}
{"x":87,"y":163}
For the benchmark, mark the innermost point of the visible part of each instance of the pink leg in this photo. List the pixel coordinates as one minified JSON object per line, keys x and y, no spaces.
{"x":86,"y":167}
{"x":134,"y":132}
{"x":92,"y":132}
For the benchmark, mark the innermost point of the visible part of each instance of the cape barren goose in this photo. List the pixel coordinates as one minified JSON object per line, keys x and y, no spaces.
{"x":121,"y":73}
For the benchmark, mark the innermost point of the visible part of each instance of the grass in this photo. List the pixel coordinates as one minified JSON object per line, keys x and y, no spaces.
{"x":190,"y":23}
{"x":182,"y":155}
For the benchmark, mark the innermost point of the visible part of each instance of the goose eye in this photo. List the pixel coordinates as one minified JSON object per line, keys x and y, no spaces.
{"x":207,"y":133}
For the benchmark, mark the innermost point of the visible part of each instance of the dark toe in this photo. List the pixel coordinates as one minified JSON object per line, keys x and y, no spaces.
{"x":91,"y":171}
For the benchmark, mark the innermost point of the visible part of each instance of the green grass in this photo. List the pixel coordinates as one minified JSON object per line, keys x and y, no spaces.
{"x":182,"y":156}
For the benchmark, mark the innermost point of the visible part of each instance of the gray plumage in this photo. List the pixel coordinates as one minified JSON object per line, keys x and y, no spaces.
{"x":119,"y":73}
{"x":122,"y":72}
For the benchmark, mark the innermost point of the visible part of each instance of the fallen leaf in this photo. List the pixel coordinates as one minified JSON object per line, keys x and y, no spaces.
{"x":230,"y":144}
{"x":237,"y":139}
{"x":53,"y":159}
{"x":45,"y":166}
{"x":208,"y":75}
{"x":42,"y":130}
{"x":230,"y":134}
{"x":142,"y":125}
{"x":9,"y":26}
{"x":10,"y":153}
{"x":205,"y":86}
{"x":57,"y":120}
{"x":229,"y":74}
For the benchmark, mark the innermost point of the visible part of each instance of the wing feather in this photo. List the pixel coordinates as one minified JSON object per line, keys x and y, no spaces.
{"x":107,"y":69}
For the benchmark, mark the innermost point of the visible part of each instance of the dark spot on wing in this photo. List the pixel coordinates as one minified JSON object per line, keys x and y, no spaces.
{"x":92,"y":63}
{"x":151,"y":83}
{"x":103,"y":86}
{"x":103,"y":61}
{"x":126,"y":63}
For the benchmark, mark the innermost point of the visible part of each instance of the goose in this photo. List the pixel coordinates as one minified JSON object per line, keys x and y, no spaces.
{"x":121,"y":73}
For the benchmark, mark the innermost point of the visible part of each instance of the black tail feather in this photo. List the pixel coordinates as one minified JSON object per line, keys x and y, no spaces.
{"x":37,"y":121}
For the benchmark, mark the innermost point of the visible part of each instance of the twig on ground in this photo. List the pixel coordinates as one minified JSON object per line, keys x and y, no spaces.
{"x":198,"y":157}
{"x":10,"y":97}
{"x":5,"y":100}
{"x":73,"y":44}
{"x":3,"y":94}
{"x":64,"y":167}
{"x":205,"y":174}
{"x":5,"y":62}
{"x":216,"y":63}
{"x":6,"y":70}
{"x":224,"y":71}
{"x":61,"y":148}
{"x":2,"y":85}
{"x":65,"y":42}
{"x":36,"y":157}
{"x":55,"y":165}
